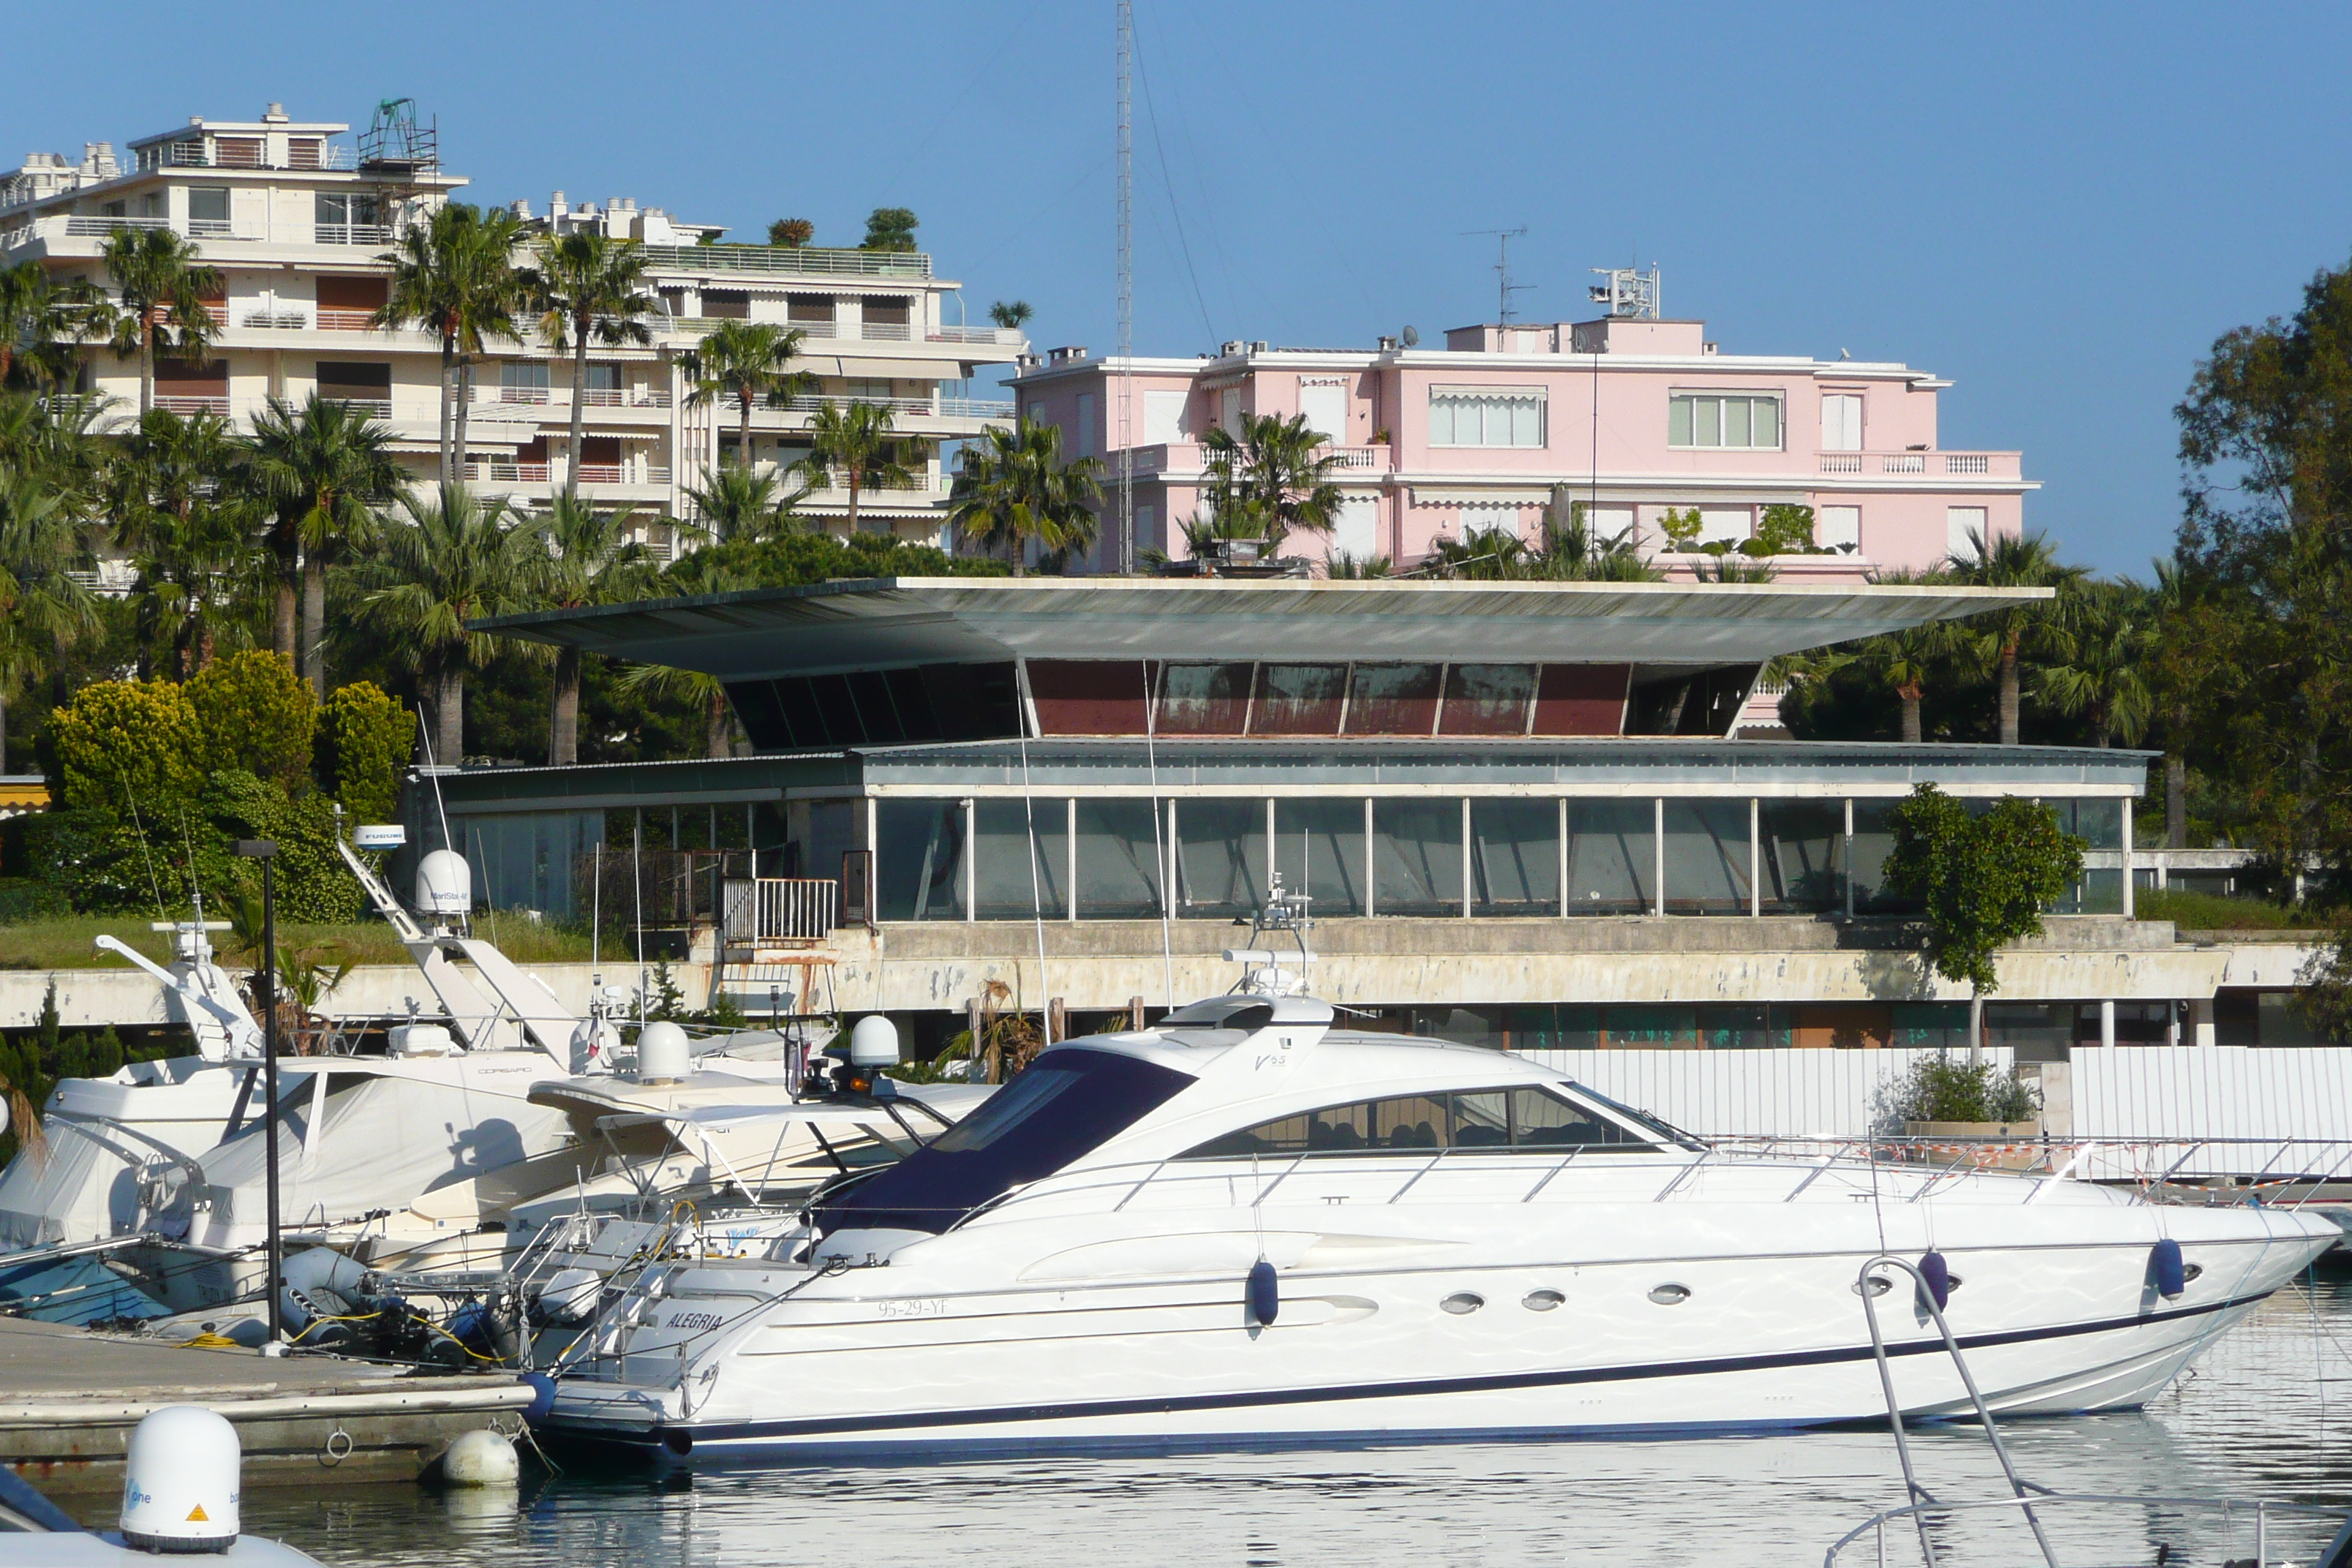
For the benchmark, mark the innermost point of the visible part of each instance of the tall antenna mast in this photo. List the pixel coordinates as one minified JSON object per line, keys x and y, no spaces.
{"x":1126,"y":293}
{"x":1504,"y":286}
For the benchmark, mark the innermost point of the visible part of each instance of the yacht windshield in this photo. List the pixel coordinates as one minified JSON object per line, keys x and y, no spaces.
{"x":1643,"y":1118}
{"x":1067,"y":1104}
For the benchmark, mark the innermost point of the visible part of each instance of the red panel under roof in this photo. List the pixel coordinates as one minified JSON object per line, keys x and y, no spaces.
{"x":1088,"y":697}
{"x":1583,"y":699}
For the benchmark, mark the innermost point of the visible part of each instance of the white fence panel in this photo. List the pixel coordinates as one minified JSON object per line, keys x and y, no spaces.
{"x":1785,"y":1093}
{"x":2180,"y":1094}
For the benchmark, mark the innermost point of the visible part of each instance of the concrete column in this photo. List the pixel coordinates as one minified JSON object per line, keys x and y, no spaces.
{"x":1849,"y":860}
{"x":971,"y":862}
{"x":1070,"y":843}
{"x":2126,"y":842}
{"x":1658,"y":857}
{"x":2200,"y":1021}
{"x":1563,"y":857}
{"x":2107,"y":1022}
{"x":1755,"y":859}
{"x":1371,"y":863}
{"x":1467,"y":864}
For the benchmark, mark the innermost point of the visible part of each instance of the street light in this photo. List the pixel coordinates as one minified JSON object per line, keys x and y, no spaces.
{"x":266,"y":988}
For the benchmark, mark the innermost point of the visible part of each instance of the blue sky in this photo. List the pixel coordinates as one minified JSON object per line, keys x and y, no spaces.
{"x":2058,"y":207}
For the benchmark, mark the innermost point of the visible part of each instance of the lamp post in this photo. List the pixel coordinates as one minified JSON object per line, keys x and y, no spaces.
{"x":265,"y":988}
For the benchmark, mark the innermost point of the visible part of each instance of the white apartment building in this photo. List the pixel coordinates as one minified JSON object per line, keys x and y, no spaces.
{"x":297,"y":221}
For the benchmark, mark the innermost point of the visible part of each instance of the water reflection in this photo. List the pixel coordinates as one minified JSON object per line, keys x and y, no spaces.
{"x":2255,"y":1418}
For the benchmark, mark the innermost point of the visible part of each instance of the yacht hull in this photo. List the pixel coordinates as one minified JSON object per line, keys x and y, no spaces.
{"x":1580,"y":1319}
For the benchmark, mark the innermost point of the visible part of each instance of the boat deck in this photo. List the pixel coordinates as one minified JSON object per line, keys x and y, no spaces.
{"x":69,"y":1398}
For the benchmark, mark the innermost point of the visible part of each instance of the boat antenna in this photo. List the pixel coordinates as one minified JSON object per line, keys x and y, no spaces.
{"x":1037,"y":892}
{"x":195,"y":887}
{"x":1163,"y":872}
{"x":596,"y":913}
{"x":433,"y":772}
{"x":637,"y":881}
{"x":154,"y":886}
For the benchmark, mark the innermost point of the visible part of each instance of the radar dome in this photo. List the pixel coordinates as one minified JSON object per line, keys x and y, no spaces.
{"x":664,"y":1052}
{"x":445,"y":884}
{"x":180,"y":1481}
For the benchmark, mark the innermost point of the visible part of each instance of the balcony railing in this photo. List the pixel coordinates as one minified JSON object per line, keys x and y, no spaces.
{"x":352,"y":234}
{"x":885,"y":331}
{"x":777,"y":910}
{"x":509,"y":473}
{"x":977,"y":408}
{"x":543,"y":473}
{"x":810,"y":402}
{"x":808,"y":261}
{"x":284,"y":320}
{"x":868,"y":331}
{"x":1959,"y":463}
{"x":178,"y":403}
{"x":520,"y":394}
{"x":242,"y":152}
{"x":333,"y":319}
{"x":1009,"y":336}
{"x":99,"y":227}
{"x":373,"y":407}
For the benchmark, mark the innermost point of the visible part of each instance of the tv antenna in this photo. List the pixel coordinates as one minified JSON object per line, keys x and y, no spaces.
{"x":1504,"y":286}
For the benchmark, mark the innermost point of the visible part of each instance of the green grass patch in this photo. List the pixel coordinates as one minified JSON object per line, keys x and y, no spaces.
{"x":65,"y":941}
{"x":2212,"y":911}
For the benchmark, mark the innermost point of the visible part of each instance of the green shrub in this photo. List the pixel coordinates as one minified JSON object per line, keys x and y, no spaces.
{"x":123,"y":742}
{"x":1949,"y":1088}
{"x":365,"y":737}
{"x":1784,"y":530}
{"x":104,"y":864}
{"x":255,"y":714}
{"x":24,"y":898}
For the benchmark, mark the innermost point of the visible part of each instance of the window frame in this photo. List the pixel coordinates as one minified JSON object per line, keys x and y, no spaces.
{"x":1538,"y":397}
{"x":1634,"y":1136}
{"x":1691,"y":424}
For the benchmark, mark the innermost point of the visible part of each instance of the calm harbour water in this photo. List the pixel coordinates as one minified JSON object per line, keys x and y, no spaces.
{"x":2267,"y":1411}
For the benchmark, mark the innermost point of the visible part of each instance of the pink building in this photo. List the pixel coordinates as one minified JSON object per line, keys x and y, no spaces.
{"x":1635,"y":415}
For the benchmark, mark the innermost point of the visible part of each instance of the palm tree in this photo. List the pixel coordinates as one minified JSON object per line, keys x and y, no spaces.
{"x":585,"y":285}
{"x":2104,"y":675}
{"x":1014,"y":489}
{"x":451,"y":561}
{"x":852,"y":442}
{"x":747,"y":361}
{"x":326,"y":470}
{"x":186,"y":517}
{"x":2015,"y":632}
{"x":1273,"y":477}
{"x":155,"y":271}
{"x":1906,"y":662}
{"x":741,"y":503}
{"x":455,"y":276}
{"x":1011,"y":314}
{"x":684,"y":577}
{"x":45,"y":537}
{"x":40,"y":322}
{"x":590,"y":560}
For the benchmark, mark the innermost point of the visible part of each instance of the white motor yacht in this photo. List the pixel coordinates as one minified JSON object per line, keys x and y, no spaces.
{"x":1249,"y":1225}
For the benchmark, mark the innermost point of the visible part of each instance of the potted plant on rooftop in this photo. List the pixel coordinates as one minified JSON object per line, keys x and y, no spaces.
{"x":1954,"y":1098}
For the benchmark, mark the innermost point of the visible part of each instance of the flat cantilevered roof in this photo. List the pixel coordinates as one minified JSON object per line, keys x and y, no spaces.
{"x":889,"y":622}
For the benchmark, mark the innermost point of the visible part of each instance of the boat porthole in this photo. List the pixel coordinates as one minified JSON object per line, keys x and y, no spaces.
{"x":1463,"y":1302}
{"x":2189,"y":1272}
{"x":1670,"y":1295}
{"x":1541,"y":1300}
{"x":1879,"y":1285}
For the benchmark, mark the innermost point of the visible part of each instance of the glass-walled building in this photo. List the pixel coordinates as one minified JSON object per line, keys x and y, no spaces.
{"x":1513,"y":802}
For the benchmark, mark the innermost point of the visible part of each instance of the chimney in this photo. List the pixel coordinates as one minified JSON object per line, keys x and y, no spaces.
{"x":556,"y":208}
{"x":277,"y":115}
{"x":520,"y":207}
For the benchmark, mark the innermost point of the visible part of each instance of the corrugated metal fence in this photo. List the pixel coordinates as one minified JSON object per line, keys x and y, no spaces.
{"x":2174,"y":1100}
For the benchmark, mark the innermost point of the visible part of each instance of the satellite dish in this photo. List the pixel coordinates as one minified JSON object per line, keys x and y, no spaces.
{"x":1411,"y":338}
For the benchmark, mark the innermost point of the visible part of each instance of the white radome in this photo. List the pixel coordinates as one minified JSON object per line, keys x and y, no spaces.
{"x":180,"y":1481}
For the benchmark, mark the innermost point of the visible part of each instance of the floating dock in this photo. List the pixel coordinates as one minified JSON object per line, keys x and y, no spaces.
{"x":69,"y":1398}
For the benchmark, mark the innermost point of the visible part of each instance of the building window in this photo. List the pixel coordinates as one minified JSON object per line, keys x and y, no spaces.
{"x":1611,"y":857}
{"x":1318,"y":848}
{"x":1084,"y":445}
{"x":1417,"y":857}
{"x":1485,"y":416}
{"x":1009,"y":882}
{"x":1728,"y":423}
{"x":1842,"y":423}
{"x":1706,"y":857}
{"x":919,"y":866}
{"x":343,"y":218}
{"x":1801,"y":846}
{"x":1964,"y":530}
{"x":522,"y":380}
{"x":1220,"y":858}
{"x":1203,"y":698}
{"x":1839,"y":527}
{"x":727,"y":304}
{"x":1119,"y":859}
{"x":1515,"y":856}
{"x":208,"y":210}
